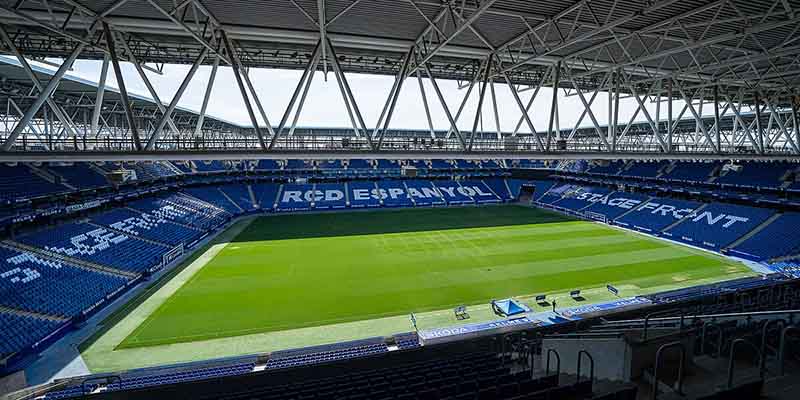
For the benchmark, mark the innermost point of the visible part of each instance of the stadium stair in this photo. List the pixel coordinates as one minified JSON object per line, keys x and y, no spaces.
{"x":50,"y":177}
{"x":678,"y":222}
{"x":171,"y":221}
{"x":235,"y":204}
{"x":132,"y":237}
{"x":252,"y":196}
{"x":413,"y":200}
{"x":755,"y":231}
{"x":510,"y":193}
{"x":69,"y":260}
{"x":618,"y":217}
{"x":377,"y":190}
{"x":492,"y":191}
{"x":32,"y":314}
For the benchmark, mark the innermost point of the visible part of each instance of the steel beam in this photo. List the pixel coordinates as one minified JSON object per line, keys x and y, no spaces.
{"x":425,"y":103}
{"x":392,"y":100}
{"x":303,"y":99}
{"x":495,"y":112}
{"x":479,"y":109}
{"x":308,"y":75}
{"x":44,"y":94}
{"x":523,"y":110}
{"x":147,"y":83}
{"x":795,"y":100}
{"x":717,"y":129}
{"x":322,"y":34}
{"x":453,"y":125}
{"x":62,"y":116}
{"x":530,"y":102}
{"x":137,"y":143}
{"x":759,"y":128}
{"x":238,"y":75}
{"x":350,"y":96}
{"x":200,"y":118}
{"x":98,"y":98}
{"x":467,"y":23}
{"x":553,"y":103}
{"x":175,"y":100}
{"x":97,"y":156}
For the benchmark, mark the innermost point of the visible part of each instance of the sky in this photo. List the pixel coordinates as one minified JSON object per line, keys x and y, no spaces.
{"x":324,"y":106}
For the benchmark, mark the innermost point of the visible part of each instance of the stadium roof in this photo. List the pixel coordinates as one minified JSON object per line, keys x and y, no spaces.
{"x":732,"y":55}
{"x":744,"y":44}
{"x":76,"y":93}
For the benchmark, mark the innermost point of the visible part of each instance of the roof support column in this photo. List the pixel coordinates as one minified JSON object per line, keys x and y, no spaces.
{"x":669,"y":114}
{"x":352,"y":99}
{"x":308,"y":75}
{"x":553,"y":104}
{"x":303,"y":98}
{"x":391,"y":101}
{"x":450,"y":118}
{"x":481,"y":96}
{"x":745,"y":127}
{"x":465,"y":99}
{"x":323,"y":34}
{"x":132,"y":59}
{"x":123,"y":92}
{"x":716,"y":119}
{"x":774,"y":115}
{"x":588,"y":108}
{"x":98,"y":98}
{"x":199,"y":126}
{"x":175,"y":99}
{"x":496,"y":114}
{"x":44,"y":95}
{"x":615,"y":123}
{"x":238,"y":74}
{"x":697,"y":118}
{"x":62,"y":115}
{"x":796,"y":117}
{"x":759,"y":128}
{"x":523,"y":109}
{"x":345,"y":100}
{"x":530,"y":102}
{"x":425,"y":103}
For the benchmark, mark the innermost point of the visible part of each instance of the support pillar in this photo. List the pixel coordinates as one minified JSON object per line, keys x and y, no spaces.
{"x":759,"y":128}
{"x":669,"y":115}
{"x":553,"y":104}
{"x":175,"y":99}
{"x":717,"y":130}
{"x":481,"y":96}
{"x":123,"y":92}
{"x":243,"y":91}
{"x":206,"y":97}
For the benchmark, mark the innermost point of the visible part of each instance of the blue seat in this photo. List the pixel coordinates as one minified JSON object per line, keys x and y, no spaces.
{"x":295,"y":197}
{"x":363,"y":194}
{"x":718,"y":225}
{"x":99,"y":245}
{"x":777,"y":239}
{"x":32,"y":283}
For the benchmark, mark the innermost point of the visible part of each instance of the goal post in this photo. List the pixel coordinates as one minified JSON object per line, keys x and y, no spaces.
{"x":596,"y":216}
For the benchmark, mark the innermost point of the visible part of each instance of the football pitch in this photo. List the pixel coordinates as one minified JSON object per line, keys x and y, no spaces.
{"x":289,"y":272}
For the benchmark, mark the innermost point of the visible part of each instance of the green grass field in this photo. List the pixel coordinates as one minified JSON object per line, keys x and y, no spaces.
{"x":294,"y":271}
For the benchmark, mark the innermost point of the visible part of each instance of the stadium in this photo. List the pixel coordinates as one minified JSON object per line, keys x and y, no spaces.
{"x":599,"y":200}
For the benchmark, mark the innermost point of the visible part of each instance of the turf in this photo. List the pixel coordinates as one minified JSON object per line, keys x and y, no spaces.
{"x":294,"y":271}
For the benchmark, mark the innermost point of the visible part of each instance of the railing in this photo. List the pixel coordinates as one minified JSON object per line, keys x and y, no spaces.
{"x":656,"y":367}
